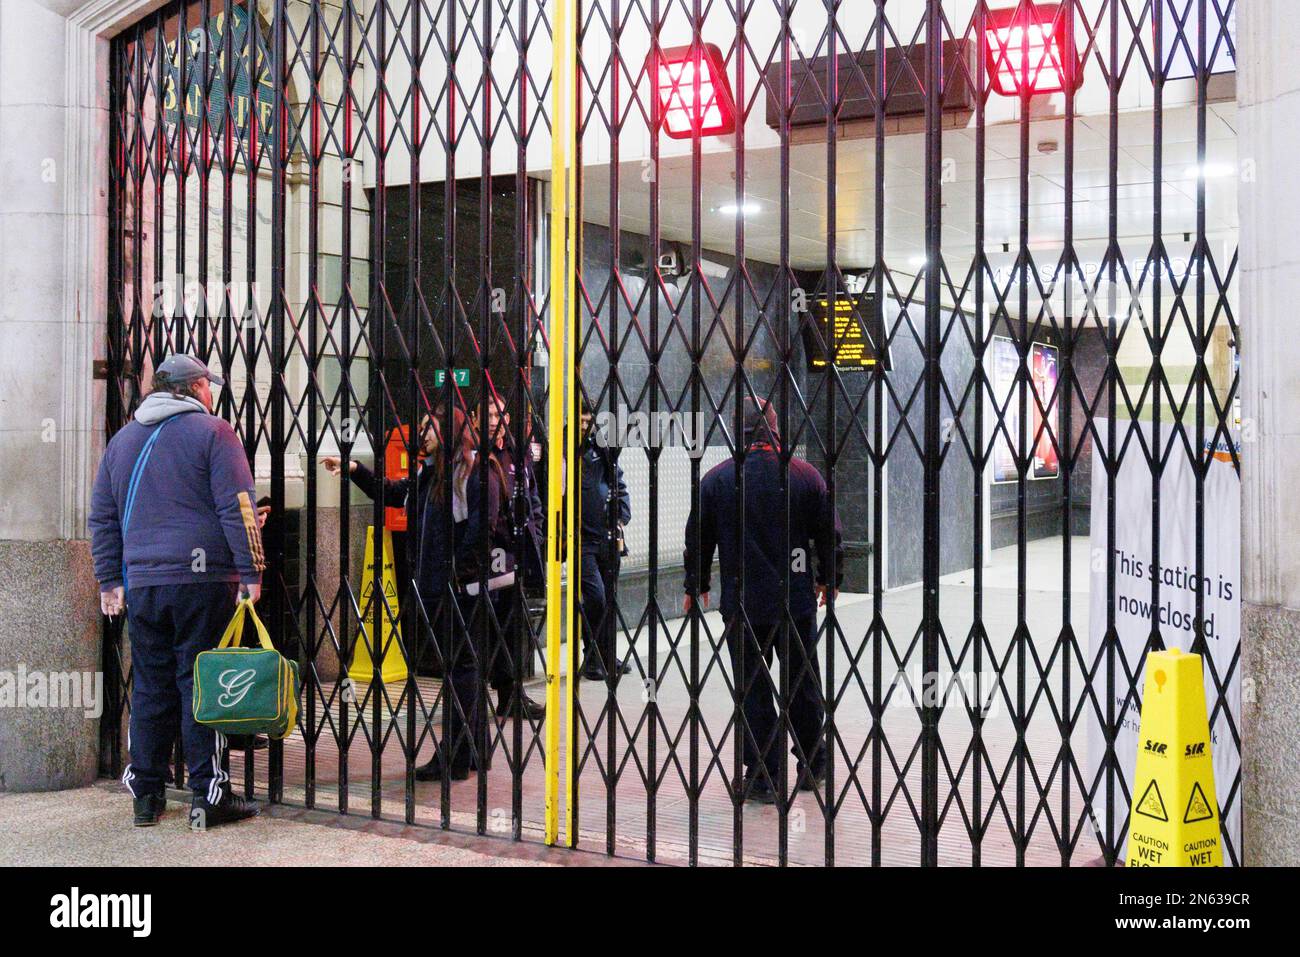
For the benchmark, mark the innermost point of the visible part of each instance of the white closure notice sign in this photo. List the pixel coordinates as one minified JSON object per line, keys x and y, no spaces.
{"x":1219,"y":580}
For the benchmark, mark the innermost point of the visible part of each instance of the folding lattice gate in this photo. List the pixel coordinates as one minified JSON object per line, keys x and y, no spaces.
{"x":1007,"y":226}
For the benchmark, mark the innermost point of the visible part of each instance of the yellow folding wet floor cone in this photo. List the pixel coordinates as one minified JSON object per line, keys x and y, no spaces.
{"x":393,"y":667}
{"x":1174,"y":821}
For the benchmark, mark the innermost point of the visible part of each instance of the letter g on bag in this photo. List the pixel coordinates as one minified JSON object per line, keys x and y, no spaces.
{"x":235,"y":685}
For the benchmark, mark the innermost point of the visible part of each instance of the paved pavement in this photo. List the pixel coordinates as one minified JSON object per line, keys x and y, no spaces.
{"x":634,"y":776}
{"x":90,"y":827}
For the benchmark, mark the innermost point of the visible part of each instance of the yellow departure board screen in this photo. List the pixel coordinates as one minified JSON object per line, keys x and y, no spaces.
{"x":854,"y":348}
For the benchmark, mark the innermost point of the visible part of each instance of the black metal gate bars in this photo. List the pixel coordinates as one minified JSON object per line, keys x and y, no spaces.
{"x":979,"y":257}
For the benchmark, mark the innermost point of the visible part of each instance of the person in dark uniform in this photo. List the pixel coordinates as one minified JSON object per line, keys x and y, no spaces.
{"x":754,"y":628}
{"x":606,"y":510}
{"x":512,"y":701}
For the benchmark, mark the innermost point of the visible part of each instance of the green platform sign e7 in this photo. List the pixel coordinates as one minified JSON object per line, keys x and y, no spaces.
{"x":459,"y":376}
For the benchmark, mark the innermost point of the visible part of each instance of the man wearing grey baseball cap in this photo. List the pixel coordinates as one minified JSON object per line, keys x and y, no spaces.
{"x":175,"y":539}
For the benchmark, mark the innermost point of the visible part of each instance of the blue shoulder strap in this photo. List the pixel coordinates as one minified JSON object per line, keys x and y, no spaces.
{"x":133,"y":486}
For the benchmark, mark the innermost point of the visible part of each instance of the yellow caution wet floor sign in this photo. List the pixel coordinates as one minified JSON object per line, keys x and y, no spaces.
{"x":393,"y":668}
{"x":1174,"y":821}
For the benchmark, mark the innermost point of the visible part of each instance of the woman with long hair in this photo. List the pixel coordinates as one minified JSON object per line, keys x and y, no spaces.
{"x":447,"y":541}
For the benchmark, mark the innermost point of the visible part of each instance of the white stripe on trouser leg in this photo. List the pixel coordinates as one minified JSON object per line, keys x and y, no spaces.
{"x":214,"y":784}
{"x":127,"y":776}
{"x":219,"y":777}
{"x":223,"y":744}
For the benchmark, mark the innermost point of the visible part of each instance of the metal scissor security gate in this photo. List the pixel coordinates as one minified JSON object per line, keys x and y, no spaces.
{"x":978,"y":257}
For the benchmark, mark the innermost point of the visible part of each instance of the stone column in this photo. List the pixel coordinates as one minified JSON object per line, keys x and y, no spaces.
{"x":1268,"y":98}
{"x":51,"y":411}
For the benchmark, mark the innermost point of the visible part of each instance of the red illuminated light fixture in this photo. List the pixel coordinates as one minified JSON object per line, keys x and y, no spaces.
{"x":694,"y":94}
{"x":1027,"y":50}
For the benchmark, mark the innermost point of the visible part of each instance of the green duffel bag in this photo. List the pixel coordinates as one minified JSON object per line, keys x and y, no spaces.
{"x":246,"y":690}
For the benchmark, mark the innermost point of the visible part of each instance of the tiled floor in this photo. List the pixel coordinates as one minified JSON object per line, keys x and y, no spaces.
{"x":616,"y":776}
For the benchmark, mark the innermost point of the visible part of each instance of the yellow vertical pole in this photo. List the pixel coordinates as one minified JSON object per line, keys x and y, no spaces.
{"x":558,"y":372}
{"x":572,"y":468}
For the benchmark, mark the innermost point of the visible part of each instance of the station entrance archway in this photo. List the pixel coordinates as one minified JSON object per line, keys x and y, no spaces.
{"x":979,"y":257}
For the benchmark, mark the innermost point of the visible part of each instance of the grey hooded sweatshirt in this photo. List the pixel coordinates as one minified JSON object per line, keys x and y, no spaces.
{"x":191,"y":517}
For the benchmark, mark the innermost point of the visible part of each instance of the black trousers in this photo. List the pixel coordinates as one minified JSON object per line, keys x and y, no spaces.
{"x":751,"y":658}
{"x":599,"y":585}
{"x":167,"y":626}
{"x":456,"y":633}
{"x":506,"y":658}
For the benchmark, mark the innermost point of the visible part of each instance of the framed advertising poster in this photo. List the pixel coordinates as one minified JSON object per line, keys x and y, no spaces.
{"x":1043,"y":370}
{"x":1002,"y":377}
{"x":1039,"y":433}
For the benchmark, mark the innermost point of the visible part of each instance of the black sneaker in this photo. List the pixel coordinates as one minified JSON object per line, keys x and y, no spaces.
{"x":149,"y":809}
{"x":757,"y":789}
{"x":811,"y":780}
{"x":433,"y":771}
{"x":232,"y":808}
{"x":593,"y":669}
{"x":524,"y":707}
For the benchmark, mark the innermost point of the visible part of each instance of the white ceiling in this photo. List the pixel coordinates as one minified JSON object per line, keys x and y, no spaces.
{"x":904,"y":191}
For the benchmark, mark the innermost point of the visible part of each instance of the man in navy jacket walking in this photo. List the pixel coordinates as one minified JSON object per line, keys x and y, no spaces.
{"x":756,"y":618}
{"x":175,"y":539}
